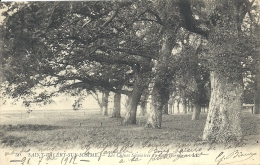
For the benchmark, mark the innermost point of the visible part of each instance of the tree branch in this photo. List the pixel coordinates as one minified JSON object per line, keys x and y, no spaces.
{"x":96,"y":98}
{"x":91,"y":83}
{"x":189,"y":22}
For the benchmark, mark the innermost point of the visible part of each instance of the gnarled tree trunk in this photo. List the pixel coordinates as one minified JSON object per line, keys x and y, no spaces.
{"x":155,"y":116}
{"x":196,"y":112}
{"x":223,"y":121}
{"x":141,"y":82}
{"x":160,"y":93}
{"x":117,"y":106}
{"x":133,"y":100}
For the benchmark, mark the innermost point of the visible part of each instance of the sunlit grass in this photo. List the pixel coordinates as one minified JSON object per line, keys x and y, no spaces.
{"x":97,"y":130}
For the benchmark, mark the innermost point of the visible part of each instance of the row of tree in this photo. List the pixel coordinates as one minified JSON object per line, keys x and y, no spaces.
{"x":198,"y":50}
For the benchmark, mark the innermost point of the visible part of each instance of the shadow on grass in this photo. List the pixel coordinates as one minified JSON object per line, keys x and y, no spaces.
{"x":28,"y":127}
{"x":89,"y":130}
{"x":21,"y":141}
{"x":14,"y":141}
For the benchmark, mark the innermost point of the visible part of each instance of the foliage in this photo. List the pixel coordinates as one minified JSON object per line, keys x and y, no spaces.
{"x":95,"y":46}
{"x":88,"y":47}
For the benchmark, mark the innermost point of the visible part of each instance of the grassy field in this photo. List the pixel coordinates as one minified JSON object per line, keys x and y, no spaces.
{"x":80,"y":129}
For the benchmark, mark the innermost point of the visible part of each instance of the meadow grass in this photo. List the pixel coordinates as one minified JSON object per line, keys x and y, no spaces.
{"x":97,"y":130}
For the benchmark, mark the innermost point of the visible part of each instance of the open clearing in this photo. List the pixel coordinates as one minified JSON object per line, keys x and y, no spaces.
{"x":80,"y":128}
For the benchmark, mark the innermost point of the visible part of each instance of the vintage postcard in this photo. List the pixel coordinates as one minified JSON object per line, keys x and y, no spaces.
{"x":130,"y":82}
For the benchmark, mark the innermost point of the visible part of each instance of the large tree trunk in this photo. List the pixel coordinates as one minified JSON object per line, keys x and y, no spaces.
{"x":196,"y":112}
{"x":223,"y":121}
{"x":131,"y":107}
{"x":155,"y":116}
{"x":160,"y":93}
{"x":117,"y":106}
{"x":105,"y":103}
{"x":141,"y":81}
{"x":257,"y":90}
{"x":133,"y":100}
{"x":201,"y":94}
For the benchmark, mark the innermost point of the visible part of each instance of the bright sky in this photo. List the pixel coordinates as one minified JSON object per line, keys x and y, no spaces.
{"x":62,"y":102}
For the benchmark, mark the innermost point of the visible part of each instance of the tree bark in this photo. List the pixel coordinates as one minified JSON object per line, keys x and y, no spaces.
{"x":131,"y":108}
{"x":141,"y":82}
{"x":105,"y":103}
{"x":160,"y":93}
{"x":223,"y":121}
{"x":117,"y":106}
{"x":196,"y":112}
{"x":133,"y":100}
{"x":155,"y":116}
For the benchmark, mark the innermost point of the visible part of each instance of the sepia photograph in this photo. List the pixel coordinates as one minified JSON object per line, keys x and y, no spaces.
{"x":157,"y":82}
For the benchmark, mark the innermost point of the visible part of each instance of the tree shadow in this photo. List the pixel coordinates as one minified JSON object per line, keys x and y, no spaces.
{"x":28,"y":127}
